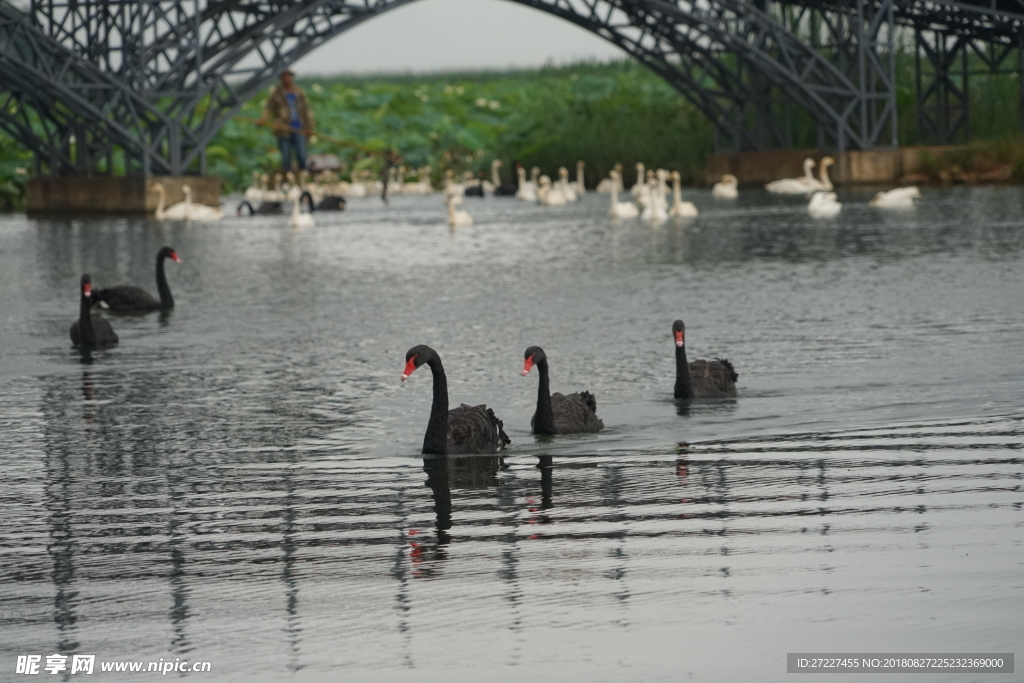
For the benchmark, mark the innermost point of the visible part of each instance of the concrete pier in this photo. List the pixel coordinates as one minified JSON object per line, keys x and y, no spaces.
{"x":115,"y":195}
{"x":878,"y":166}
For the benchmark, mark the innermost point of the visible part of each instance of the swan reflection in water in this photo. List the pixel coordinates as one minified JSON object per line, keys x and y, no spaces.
{"x":443,"y":474}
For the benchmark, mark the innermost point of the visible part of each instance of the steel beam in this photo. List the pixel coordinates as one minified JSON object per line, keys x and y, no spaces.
{"x":156,"y":79}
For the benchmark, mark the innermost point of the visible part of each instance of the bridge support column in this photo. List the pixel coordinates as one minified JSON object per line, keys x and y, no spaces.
{"x":114,"y":195}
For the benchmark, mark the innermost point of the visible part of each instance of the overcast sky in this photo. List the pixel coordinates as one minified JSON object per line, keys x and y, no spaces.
{"x":440,"y":35}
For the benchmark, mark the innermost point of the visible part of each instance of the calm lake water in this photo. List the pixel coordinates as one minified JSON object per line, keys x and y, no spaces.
{"x":239,"y":481}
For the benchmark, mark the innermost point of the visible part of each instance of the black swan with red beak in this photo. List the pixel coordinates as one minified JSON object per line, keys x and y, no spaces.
{"x":87,"y":330}
{"x":558,"y":414}
{"x":701,"y":378}
{"x":466,"y":429}
{"x":130,"y":298}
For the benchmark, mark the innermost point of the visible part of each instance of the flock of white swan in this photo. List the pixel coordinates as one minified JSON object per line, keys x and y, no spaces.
{"x":650,"y":198}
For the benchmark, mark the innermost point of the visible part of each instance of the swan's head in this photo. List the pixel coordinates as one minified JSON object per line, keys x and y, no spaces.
{"x":828,"y":161}
{"x":168,"y":252}
{"x":533,"y":355}
{"x":544,"y":181}
{"x":580,"y":164}
{"x":614,"y":174}
{"x":618,"y":167}
{"x":86,"y":285}
{"x":679,"y":332}
{"x":563,"y":171}
{"x":187,"y":191}
{"x":497,"y":163}
{"x":808,"y":164}
{"x":730,"y":179}
{"x":415,"y":357}
{"x":156,"y":187}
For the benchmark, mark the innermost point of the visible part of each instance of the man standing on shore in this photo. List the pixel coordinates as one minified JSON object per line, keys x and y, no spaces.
{"x":288,"y":110}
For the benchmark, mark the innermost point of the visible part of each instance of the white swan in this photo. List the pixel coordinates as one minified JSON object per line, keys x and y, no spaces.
{"x":422,"y":185}
{"x":640,"y":186}
{"x":656,"y":209}
{"x":548,"y":195}
{"x":680,"y":209}
{"x":174,"y":212}
{"x":200,"y":212}
{"x":255,"y":191}
{"x":662,"y":194}
{"x":453,"y":190}
{"x":495,"y":174}
{"x":275,"y":195}
{"x":726,"y":188}
{"x":457,"y":219}
{"x":527,"y":188}
{"x":802,"y":185}
{"x":620,"y":209}
{"x":564,"y":186}
{"x":356,"y":187}
{"x":823,"y":183}
{"x":581,"y":186}
{"x":900,"y":198}
{"x":298,"y":219}
{"x":608,"y":183}
{"x":823,"y":205}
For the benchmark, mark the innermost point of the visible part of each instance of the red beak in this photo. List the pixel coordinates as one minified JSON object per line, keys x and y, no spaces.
{"x":409,"y":368}
{"x":174,"y":257}
{"x":87,"y":289}
{"x":679,"y":337}
{"x":527,"y":364}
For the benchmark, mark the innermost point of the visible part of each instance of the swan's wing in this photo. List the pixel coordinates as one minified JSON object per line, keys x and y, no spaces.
{"x":475,"y":429}
{"x":575,"y":413}
{"x":127,"y":297}
{"x":104,"y":332}
{"x":713,"y":379}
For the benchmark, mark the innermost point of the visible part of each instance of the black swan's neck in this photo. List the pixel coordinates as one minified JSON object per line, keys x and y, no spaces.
{"x":86,"y":335}
{"x":683,"y":386}
{"x":544,"y":418}
{"x":166,"y":300}
{"x":435,"y":441}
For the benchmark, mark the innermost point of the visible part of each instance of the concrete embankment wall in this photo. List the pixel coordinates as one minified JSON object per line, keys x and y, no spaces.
{"x":881,"y":166}
{"x":108,"y":194}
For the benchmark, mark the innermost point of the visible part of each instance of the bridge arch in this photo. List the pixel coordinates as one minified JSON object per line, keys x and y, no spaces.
{"x":159,"y":77}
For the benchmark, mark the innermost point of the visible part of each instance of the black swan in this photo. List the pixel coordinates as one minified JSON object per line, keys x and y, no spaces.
{"x":558,"y":414}
{"x":475,"y":190}
{"x":467,"y":429}
{"x":87,"y":330}
{"x":701,"y":378}
{"x":264,"y":209}
{"x":131,"y":298}
{"x":329,"y":203}
{"x":504,"y":189}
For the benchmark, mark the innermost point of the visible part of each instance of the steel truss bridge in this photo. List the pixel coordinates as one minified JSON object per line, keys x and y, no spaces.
{"x":153,"y":80}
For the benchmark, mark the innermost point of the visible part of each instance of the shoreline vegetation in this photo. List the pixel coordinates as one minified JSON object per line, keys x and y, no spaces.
{"x":602,"y":113}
